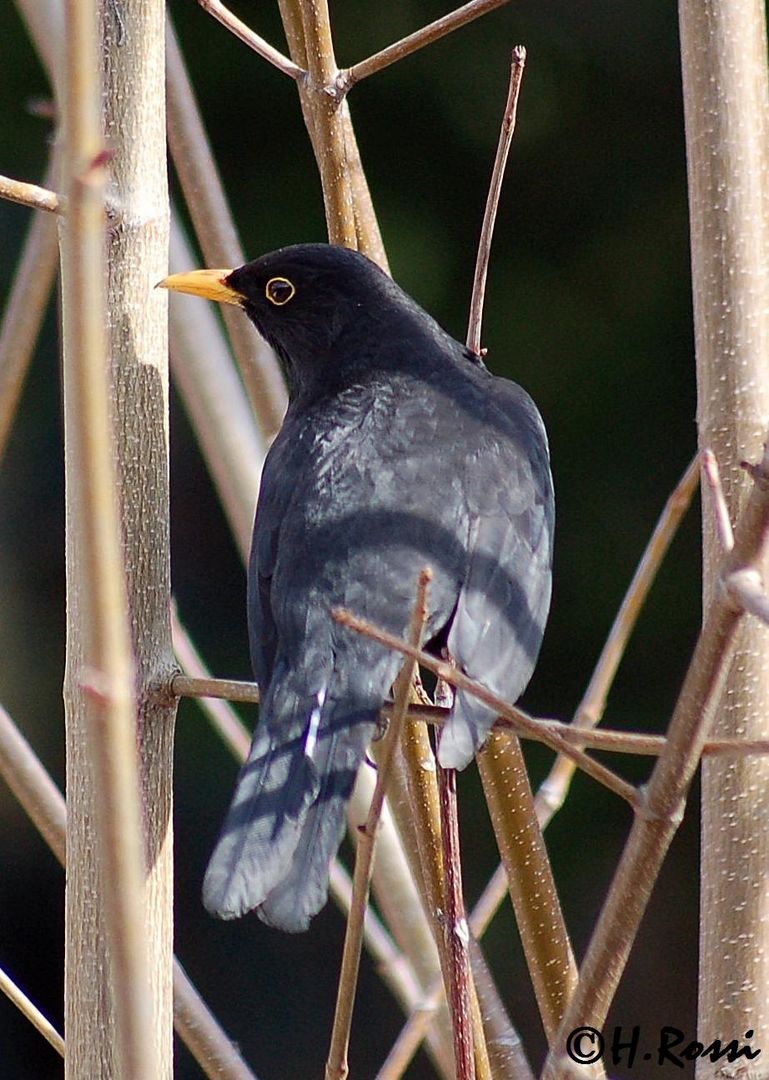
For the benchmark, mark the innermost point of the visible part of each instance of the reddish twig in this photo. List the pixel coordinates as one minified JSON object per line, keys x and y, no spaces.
{"x":455,"y":928}
{"x":492,"y":201}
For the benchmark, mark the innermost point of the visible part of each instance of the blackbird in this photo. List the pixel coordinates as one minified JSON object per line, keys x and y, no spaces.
{"x":399,"y":450}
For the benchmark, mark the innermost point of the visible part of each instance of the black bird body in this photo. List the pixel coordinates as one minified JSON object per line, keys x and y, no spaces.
{"x":399,"y":450}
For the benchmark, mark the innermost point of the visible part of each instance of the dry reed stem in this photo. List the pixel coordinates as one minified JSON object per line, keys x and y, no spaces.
{"x":36,"y":198}
{"x":541,"y":925}
{"x":100,"y":645}
{"x":224,"y":422}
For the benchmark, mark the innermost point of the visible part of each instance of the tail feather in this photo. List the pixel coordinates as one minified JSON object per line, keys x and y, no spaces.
{"x":275,"y":789}
{"x":303,"y":891}
{"x":465,"y":731}
{"x":286,"y":820}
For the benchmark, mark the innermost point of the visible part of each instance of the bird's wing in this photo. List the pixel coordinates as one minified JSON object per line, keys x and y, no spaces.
{"x":500,"y":618}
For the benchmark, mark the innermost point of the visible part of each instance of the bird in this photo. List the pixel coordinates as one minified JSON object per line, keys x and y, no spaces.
{"x":399,"y":450}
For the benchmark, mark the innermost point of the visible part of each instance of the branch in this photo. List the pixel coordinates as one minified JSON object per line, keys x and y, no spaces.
{"x":455,"y":928}
{"x":530,"y":882}
{"x":492,"y":201}
{"x":37,"y":198}
{"x":418,"y":40}
{"x":520,"y":721}
{"x":248,"y":37}
{"x":336,"y":1066}
{"x":32,"y":1013}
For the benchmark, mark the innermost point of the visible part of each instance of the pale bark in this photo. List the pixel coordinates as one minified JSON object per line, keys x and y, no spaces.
{"x":727,"y":120}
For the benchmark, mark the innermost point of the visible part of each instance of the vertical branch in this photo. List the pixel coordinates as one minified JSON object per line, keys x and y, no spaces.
{"x":328,"y":124}
{"x":726,"y":108}
{"x":133,"y":58}
{"x":107,"y":1006}
{"x":361,"y":228}
{"x":529,"y":877}
{"x":456,"y":930}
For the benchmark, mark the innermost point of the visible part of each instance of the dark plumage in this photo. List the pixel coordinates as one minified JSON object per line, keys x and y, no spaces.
{"x":398,"y":450}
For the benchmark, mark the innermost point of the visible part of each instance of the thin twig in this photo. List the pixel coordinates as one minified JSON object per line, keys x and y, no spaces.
{"x":521,"y":722}
{"x":37,"y":198}
{"x":455,"y":928}
{"x":720,"y":510}
{"x":492,"y":201}
{"x":248,"y":37}
{"x":408,"y":45}
{"x":541,"y":729}
{"x":32,"y":1013}
{"x":24,"y":313}
{"x":336,"y":1066}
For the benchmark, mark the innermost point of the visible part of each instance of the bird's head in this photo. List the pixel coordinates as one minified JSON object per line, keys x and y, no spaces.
{"x":310,"y":302}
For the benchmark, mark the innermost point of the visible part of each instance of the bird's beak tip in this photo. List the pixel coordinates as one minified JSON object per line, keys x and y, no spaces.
{"x":210,"y":284}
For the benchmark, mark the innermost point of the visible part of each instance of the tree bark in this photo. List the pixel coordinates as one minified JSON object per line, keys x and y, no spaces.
{"x":726,"y":100}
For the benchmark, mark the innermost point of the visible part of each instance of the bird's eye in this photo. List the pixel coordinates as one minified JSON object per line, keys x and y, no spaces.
{"x":279,"y":291}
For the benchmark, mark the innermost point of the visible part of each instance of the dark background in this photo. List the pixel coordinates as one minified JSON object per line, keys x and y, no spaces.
{"x":588,"y":306}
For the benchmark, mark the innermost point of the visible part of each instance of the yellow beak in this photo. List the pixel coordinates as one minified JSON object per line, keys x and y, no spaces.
{"x":207,"y":283}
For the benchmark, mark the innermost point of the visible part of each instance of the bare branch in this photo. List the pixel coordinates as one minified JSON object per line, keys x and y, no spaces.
{"x":455,"y":928}
{"x":545,"y":939}
{"x":492,"y":201}
{"x":37,"y":198}
{"x":408,"y":45}
{"x":248,"y":37}
{"x":336,"y":1066}
{"x":32,"y":1013}
{"x":520,"y":721}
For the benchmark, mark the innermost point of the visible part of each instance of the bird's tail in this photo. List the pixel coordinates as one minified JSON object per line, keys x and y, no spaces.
{"x":286,"y":820}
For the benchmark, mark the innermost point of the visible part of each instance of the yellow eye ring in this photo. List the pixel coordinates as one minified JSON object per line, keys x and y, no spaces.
{"x":279,"y":291}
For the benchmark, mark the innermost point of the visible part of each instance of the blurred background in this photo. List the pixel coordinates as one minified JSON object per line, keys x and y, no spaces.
{"x":588,"y":306}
